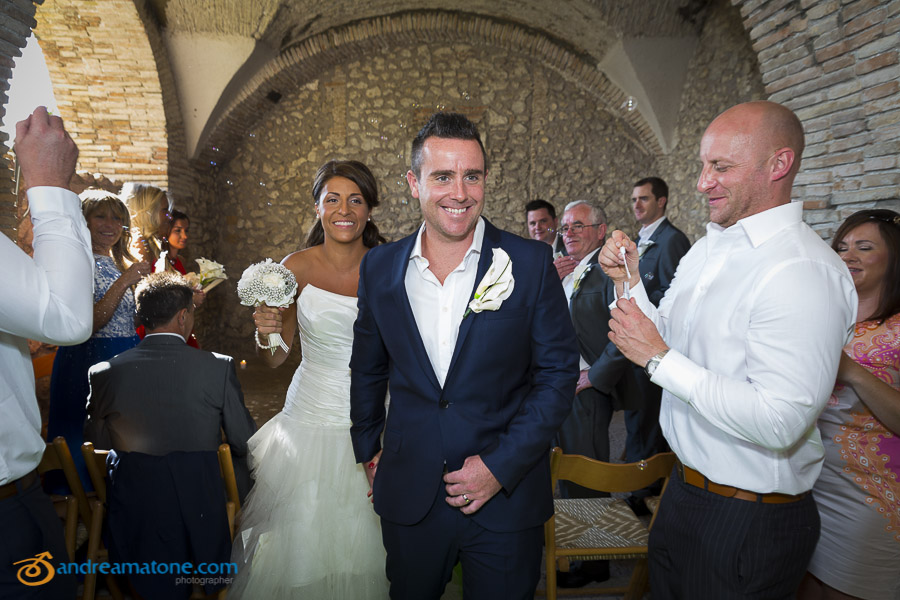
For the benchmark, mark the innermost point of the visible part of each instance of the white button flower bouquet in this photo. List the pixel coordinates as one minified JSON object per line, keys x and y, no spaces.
{"x":268,"y":283}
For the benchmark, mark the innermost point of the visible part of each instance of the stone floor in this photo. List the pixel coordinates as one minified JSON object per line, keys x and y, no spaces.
{"x":264,"y":392}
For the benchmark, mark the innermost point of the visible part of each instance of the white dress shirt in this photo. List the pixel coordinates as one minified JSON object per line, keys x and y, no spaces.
{"x":755,"y":318}
{"x":48,"y":298}
{"x":647,"y":231}
{"x":439,"y":309}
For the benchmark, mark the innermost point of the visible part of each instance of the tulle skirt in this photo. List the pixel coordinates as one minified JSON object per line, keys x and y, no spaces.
{"x":307,"y":529}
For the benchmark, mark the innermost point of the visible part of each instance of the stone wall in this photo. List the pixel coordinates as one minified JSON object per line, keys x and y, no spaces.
{"x":545,"y":136}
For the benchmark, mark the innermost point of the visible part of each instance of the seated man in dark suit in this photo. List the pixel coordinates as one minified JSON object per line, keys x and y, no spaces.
{"x":162,"y":407}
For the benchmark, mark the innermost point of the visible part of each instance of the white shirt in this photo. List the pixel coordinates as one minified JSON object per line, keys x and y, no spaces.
{"x":439,"y":309}
{"x":48,"y":298}
{"x":755,"y":318}
{"x":647,"y":231}
{"x":568,"y":283}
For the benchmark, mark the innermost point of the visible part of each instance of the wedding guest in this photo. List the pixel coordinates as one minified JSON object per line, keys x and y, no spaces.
{"x":149,"y":207}
{"x":163,"y":408}
{"x":176,"y":239}
{"x":858,"y":491}
{"x":746,"y":345}
{"x":115,"y":273}
{"x":174,"y":242}
{"x":46,"y":298}
{"x":307,"y":529}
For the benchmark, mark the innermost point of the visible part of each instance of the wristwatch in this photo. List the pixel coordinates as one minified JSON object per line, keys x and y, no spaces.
{"x":650,"y":367}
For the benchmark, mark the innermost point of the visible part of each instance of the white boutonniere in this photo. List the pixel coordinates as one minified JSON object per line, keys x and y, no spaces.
{"x":643,"y":247}
{"x":579,"y":273}
{"x":495,"y":287}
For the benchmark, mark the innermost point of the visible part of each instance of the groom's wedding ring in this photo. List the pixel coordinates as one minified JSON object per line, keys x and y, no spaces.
{"x":466,"y":498}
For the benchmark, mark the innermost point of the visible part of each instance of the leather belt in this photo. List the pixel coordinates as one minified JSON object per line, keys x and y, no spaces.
{"x":8,"y":490}
{"x":697,"y":479}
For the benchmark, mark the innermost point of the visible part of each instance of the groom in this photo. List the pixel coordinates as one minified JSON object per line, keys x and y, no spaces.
{"x":476,"y":396}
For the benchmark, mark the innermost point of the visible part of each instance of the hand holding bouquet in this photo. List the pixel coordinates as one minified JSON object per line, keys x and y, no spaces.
{"x":271,"y":284}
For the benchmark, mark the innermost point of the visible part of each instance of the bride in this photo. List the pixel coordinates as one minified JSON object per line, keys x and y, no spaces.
{"x":307,"y":529}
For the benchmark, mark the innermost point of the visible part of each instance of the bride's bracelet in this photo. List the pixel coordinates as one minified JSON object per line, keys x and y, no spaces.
{"x":260,"y":345}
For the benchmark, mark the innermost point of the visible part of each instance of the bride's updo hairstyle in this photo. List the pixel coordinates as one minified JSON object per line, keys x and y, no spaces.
{"x":359,"y":174}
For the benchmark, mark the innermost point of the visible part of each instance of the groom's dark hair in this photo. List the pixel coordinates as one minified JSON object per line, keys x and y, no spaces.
{"x":159,"y":297}
{"x":449,"y":126}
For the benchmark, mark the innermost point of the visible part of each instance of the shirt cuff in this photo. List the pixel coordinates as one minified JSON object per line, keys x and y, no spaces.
{"x":48,"y":199}
{"x":633,"y":291}
{"x":677,"y":374}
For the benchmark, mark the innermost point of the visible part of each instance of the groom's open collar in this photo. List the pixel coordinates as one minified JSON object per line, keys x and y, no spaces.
{"x":490,"y":241}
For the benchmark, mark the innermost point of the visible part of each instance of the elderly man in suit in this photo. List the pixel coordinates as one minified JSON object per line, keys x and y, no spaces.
{"x":590,"y":293}
{"x":162,"y":407}
{"x":482,"y":368}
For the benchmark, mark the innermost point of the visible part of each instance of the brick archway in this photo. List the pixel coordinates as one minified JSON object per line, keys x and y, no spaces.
{"x":106,"y":80}
{"x":301,"y":63}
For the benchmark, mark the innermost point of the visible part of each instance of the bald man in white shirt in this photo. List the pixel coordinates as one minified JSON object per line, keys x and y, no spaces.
{"x":745,"y":344}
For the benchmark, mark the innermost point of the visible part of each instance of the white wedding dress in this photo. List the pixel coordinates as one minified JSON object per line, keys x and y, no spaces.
{"x":307,"y":529}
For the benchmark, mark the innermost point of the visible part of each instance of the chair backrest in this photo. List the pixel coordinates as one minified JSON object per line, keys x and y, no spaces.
{"x":233,"y":504}
{"x":96,"y":468}
{"x":609,"y":477}
{"x":51,"y":461}
{"x":58,"y":457}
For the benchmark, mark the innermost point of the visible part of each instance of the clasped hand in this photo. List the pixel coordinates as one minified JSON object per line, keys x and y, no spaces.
{"x":471,"y":486}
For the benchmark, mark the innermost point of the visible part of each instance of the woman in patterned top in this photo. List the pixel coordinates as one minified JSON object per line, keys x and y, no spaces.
{"x":115,"y":273}
{"x":858,"y":492}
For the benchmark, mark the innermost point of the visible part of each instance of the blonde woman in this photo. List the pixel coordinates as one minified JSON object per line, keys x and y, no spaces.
{"x":115,"y":273}
{"x":149,"y":207}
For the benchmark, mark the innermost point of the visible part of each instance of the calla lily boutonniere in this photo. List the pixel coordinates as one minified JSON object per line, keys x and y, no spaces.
{"x":495,"y":287}
{"x":643,"y":247}
{"x":579,"y":273}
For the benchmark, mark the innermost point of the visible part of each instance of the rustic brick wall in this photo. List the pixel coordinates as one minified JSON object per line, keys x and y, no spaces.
{"x":107,"y":86}
{"x":836,"y":64}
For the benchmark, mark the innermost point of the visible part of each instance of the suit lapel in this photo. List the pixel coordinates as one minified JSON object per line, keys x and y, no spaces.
{"x":491,"y":240}
{"x":659,"y":230}
{"x":406,"y":316}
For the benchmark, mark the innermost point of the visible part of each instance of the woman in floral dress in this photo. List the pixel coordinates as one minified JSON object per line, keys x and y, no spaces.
{"x":858,"y":492}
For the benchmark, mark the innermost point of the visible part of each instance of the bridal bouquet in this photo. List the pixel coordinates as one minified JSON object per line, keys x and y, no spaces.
{"x":268,"y":283}
{"x":210,"y":275}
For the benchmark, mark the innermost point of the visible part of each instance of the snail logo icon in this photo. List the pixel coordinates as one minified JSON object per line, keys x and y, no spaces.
{"x":37,"y":570}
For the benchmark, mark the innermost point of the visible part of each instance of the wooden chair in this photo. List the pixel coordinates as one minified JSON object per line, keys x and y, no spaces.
{"x":233,"y":505}
{"x":97,"y":552}
{"x":600,"y":528}
{"x":96,"y":466}
{"x":51,"y":461}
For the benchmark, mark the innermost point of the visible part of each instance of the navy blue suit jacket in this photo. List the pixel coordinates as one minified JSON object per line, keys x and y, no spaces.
{"x":661,"y":258}
{"x":510,"y":385}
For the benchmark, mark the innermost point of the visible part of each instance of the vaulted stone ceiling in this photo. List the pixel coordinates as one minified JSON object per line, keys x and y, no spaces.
{"x":217,"y":47}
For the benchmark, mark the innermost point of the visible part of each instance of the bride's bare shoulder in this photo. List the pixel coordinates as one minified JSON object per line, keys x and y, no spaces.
{"x":302,"y":262}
